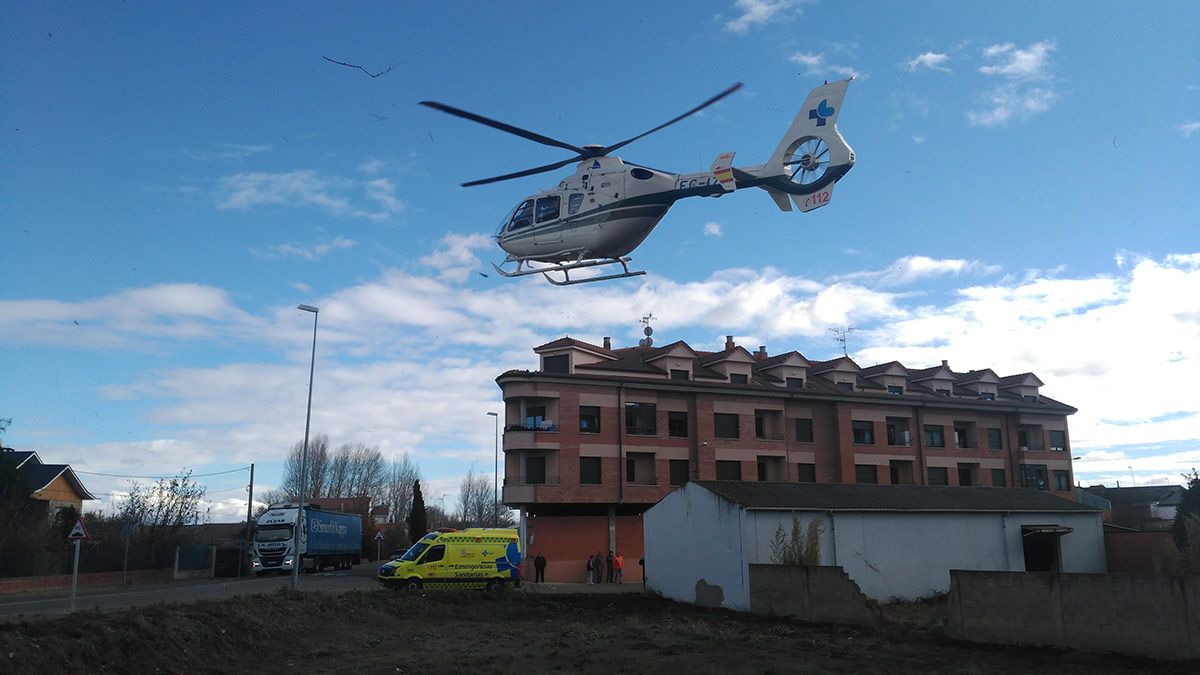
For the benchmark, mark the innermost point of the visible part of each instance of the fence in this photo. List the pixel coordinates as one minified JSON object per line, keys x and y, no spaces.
{"x":195,"y":561}
{"x":818,"y":594}
{"x":1151,"y":615}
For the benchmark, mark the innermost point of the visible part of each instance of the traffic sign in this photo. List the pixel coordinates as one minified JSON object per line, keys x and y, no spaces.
{"x":379,"y":536}
{"x":79,"y":531}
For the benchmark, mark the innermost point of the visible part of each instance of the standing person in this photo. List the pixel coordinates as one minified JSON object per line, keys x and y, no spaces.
{"x":619,"y":564}
{"x":591,"y":570}
{"x":598,"y":567}
{"x":642,"y":564}
{"x":539,"y":567}
{"x":608,"y":568}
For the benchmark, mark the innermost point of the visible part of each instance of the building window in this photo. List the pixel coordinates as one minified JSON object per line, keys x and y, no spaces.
{"x":589,"y":470}
{"x":968,"y":475}
{"x":535,"y":470}
{"x":768,"y":425}
{"x":771,"y":468}
{"x":804,"y":430}
{"x":866,"y":473}
{"x":848,"y":386}
{"x":934,"y":437}
{"x":1022,"y":439}
{"x":535,"y":416}
{"x":864,"y":432}
{"x":680,"y":374}
{"x":897,"y":431}
{"x":556,"y":364}
{"x":1058,"y":441}
{"x":677,"y":424}
{"x":729,"y":470}
{"x":988,"y":396}
{"x":995,"y":439}
{"x":963,"y":434}
{"x":1062,"y":481}
{"x":942,"y":392}
{"x":998,"y":478}
{"x":900,"y":472}
{"x":938,"y":475}
{"x":639,"y":468}
{"x":725,"y":425}
{"x":895,"y":390}
{"x":640,"y":419}
{"x":795,"y":382}
{"x":738,"y":378}
{"x":589,"y":419}
{"x":1034,"y":476}
{"x":679,"y":471}
{"x":806,"y":473}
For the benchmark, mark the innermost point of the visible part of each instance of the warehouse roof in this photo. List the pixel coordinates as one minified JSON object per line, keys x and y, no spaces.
{"x":916,"y":498}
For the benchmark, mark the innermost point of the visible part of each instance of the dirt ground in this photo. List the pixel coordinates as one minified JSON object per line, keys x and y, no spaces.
{"x":462,"y":631}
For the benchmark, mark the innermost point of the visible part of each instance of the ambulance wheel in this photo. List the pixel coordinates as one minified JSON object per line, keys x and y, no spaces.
{"x":495,"y":585}
{"x":412,"y":584}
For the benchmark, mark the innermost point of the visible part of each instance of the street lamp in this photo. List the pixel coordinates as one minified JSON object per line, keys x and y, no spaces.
{"x":496,"y":473}
{"x":304,"y":454}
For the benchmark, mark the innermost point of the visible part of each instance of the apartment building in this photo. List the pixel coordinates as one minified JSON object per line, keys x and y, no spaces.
{"x":598,"y":434}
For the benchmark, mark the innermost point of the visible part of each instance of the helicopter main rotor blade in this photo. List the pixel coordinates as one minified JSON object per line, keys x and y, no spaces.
{"x":664,"y":125}
{"x":526,"y":172}
{"x":516,"y":131}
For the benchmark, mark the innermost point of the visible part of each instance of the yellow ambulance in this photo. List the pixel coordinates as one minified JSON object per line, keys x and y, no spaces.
{"x":477,"y":557}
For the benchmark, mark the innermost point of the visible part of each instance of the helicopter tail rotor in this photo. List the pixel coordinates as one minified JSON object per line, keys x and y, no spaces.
{"x":812,"y":155}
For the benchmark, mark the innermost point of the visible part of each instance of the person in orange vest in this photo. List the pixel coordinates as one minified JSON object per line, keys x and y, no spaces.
{"x":619,"y":566}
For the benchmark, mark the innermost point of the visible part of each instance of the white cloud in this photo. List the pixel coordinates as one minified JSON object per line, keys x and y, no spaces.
{"x":1018,"y":64}
{"x":313,"y":251}
{"x":760,"y":12}
{"x":1189,"y":128}
{"x":914,"y":268}
{"x":306,"y":187}
{"x":713,"y":229}
{"x":816,"y":65}
{"x":1016,"y":97}
{"x":918,"y":139}
{"x":456,"y":258}
{"x":372,"y":166}
{"x":928,"y":61}
{"x":226,"y":151}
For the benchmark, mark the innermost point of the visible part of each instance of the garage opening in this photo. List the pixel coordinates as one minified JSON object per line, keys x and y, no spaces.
{"x":1043,"y":552}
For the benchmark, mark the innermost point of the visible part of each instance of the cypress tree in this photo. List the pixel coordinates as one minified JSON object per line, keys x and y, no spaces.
{"x":417,"y":525}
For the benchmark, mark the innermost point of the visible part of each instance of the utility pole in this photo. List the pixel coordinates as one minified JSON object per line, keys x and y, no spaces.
{"x":249,"y":509}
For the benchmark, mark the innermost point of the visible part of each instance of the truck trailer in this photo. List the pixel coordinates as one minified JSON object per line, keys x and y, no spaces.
{"x":327,"y":539}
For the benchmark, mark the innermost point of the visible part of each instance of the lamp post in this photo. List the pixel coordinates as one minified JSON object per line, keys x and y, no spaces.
{"x":496,"y":473}
{"x":304,"y":454}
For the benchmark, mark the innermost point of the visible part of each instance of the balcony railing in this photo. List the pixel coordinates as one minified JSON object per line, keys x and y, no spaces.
{"x":524,"y":480}
{"x":652,"y":480}
{"x":544,"y":426}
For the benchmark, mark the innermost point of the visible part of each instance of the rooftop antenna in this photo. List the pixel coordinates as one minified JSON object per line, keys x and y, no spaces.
{"x":840,"y":335}
{"x":647,"y":331}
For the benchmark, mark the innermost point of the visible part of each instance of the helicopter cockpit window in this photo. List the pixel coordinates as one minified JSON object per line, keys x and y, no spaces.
{"x":522,"y":217}
{"x":547,"y":208}
{"x":573,"y":203}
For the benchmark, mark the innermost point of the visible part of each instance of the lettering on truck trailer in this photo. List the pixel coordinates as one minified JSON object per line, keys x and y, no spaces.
{"x":326,"y":528}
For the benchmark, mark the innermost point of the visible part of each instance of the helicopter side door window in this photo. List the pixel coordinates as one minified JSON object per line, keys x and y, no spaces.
{"x":573,"y":203}
{"x":547,"y":208}
{"x":522,"y":217}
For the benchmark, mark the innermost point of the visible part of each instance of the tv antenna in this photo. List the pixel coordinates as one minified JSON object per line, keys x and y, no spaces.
{"x":840,"y":335}
{"x":647,"y":330}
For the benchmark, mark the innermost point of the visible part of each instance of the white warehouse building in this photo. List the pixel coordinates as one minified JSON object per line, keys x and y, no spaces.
{"x":894,"y":541}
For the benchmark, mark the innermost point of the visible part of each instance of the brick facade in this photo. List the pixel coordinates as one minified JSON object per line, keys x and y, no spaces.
{"x":661,"y":408}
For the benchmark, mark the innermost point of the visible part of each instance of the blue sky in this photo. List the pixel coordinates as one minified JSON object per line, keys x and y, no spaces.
{"x":174,"y":179}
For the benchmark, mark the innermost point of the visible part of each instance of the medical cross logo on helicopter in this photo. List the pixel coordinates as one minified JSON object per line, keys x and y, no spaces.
{"x":609,"y":206}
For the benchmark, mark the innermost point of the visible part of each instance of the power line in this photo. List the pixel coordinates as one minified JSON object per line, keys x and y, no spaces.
{"x":194,"y":475}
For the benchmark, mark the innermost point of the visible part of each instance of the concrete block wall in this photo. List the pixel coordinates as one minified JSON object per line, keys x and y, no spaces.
{"x":817,"y":594}
{"x":1151,"y":615}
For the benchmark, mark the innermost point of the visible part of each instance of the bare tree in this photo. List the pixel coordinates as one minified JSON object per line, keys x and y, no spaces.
{"x":398,"y":488}
{"x":161,"y":511}
{"x":475,"y":504}
{"x":317,"y":469}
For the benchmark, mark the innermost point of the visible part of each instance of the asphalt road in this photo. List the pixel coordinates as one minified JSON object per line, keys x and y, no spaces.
{"x":360,"y":577}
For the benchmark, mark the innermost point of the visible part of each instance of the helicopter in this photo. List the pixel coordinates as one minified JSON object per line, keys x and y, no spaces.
{"x":604,"y":211}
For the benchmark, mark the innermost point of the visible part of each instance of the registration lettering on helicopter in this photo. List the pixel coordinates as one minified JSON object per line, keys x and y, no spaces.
{"x":684,"y":183}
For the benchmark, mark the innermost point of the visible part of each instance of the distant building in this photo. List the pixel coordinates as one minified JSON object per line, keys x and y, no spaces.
{"x":893,"y":541}
{"x":1147,"y":508}
{"x":53,"y":488}
{"x":598,"y":434}
{"x":359,"y":505}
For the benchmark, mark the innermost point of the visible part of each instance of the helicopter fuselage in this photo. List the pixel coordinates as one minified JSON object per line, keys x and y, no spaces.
{"x":607,"y":208}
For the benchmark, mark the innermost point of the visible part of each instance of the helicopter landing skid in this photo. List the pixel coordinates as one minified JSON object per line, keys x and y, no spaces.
{"x":566,"y":268}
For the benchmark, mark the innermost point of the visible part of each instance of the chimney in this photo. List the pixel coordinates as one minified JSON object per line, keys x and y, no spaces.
{"x":729,"y":344}
{"x":607,"y":342}
{"x":945,"y":363}
{"x":761,"y":353}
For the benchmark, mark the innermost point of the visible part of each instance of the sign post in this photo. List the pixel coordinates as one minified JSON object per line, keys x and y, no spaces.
{"x":126,"y":532}
{"x":378,"y":543}
{"x":78,"y":534}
